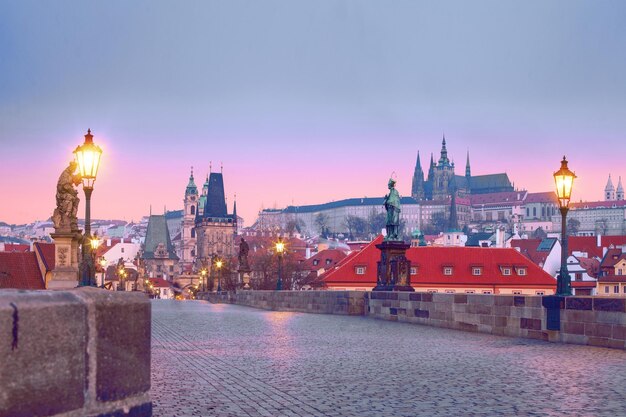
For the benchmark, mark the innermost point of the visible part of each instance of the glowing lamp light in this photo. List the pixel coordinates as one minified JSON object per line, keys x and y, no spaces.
{"x":103,"y":262}
{"x":95,"y":242}
{"x":280,"y":247}
{"x":88,"y":159}
{"x":203,"y":272}
{"x":564,"y":179}
{"x":218,"y":264}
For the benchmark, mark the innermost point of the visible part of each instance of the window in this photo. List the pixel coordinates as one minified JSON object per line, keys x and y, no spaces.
{"x":452,"y":291}
{"x":413,"y":270}
{"x":447,"y":270}
{"x":123,"y":252}
{"x":517,"y":292}
{"x":477,"y":271}
{"x":317,"y":261}
{"x":624,"y":289}
{"x":193,"y":209}
{"x":616,"y":289}
{"x":171,"y":268}
{"x":619,"y":271}
{"x":193,"y":232}
{"x":159,"y":269}
{"x":606,"y":289}
{"x":578,"y":276}
{"x":328,"y":261}
{"x":469,"y":291}
{"x":486,"y":292}
{"x":360,"y":270}
{"x":432,"y":291}
{"x":539,"y":293}
{"x":521,"y":271}
{"x":506,"y":271}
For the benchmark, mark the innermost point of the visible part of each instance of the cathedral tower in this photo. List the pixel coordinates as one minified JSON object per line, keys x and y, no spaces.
{"x":609,"y":190}
{"x":619,"y":195}
{"x":188,"y":232}
{"x":417,"y":188}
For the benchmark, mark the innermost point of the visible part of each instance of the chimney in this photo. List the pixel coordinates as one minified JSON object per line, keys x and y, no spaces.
{"x":108,"y":243}
{"x":598,"y":240}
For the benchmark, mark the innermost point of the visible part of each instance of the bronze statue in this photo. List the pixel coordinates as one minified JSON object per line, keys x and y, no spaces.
{"x":64,"y":217}
{"x":392,"y":205}
{"x":243,"y":255}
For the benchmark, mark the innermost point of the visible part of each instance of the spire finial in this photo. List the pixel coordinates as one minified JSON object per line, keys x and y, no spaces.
{"x":221,"y":167}
{"x":210,"y":167}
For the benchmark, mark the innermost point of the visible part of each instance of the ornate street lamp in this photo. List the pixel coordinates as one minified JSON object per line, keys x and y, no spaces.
{"x":564,"y":179}
{"x":218,"y":265}
{"x":203,"y":273}
{"x":88,"y":159}
{"x":280,"y":250}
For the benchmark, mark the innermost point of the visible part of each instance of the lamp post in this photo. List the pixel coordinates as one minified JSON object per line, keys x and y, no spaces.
{"x":88,"y":159}
{"x":103,"y":264}
{"x":280,"y":249}
{"x":203,"y":273}
{"x":218,"y":265}
{"x":564,"y":179}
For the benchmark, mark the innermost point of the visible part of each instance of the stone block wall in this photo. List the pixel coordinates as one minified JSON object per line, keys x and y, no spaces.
{"x":595,"y":321}
{"x":327,"y":302}
{"x":83,"y":352}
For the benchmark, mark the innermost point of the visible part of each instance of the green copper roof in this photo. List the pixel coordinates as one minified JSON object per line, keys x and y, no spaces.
{"x":191,"y":187}
{"x":156,"y":234}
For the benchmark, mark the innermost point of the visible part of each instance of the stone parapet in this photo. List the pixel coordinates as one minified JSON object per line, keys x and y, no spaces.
{"x":596,"y":321}
{"x":326,"y":302}
{"x":83,"y":352}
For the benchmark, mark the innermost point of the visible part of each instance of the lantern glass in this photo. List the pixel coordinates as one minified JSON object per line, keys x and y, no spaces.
{"x":95,"y":242}
{"x":218,"y":264}
{"x":280,"y":247}
{"x":564,"y":180}
{"x":88,"y":160}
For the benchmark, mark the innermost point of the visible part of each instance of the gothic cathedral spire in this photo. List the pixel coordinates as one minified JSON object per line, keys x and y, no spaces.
{"x":417,"y":188}
{"x":468,"y":172}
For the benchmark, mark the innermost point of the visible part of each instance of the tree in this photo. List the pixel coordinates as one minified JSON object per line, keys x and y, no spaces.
{"x":356,"y":226}
{"x":321,"y":221}
{"x":439,"y":222}
{"x":573,"y":225}
{"x":294,"y":225}
{"x":376,"y":222}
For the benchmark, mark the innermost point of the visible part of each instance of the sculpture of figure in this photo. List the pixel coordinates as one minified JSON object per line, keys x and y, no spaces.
{"x":243,"y":255}
{"x":67,"y":200}
{"x":392,"y":205}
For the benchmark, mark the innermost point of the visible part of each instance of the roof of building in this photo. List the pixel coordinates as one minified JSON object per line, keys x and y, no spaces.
{"x":16,"y":247}
{"x":20,"y":270}
{"x":349,"y":202}
{"x":598,"y":204}
{"x":46,"y":252}
{"x":160,"y":283}
{"x":175,"y":214}
{"x":611,"y":257}
{"x":158,"y":233}
{"x":537,"y":250}
{"x":501,"y":198}
{"x":491,"y":182}
{"x":589,"y":244}
{"x":431,"y":260}
{"x":591,"y":265}
{"x":474,"y":239}
{"x":215,"y":205}
{"x":544,"y":197}
{"x":324,"y":259}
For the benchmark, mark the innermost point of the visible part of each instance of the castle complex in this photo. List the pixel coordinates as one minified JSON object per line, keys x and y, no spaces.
{"x":442,"y":182}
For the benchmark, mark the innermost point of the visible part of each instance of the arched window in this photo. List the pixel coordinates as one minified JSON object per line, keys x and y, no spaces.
{"x":193,"y":233}
{"x":193,"y":209}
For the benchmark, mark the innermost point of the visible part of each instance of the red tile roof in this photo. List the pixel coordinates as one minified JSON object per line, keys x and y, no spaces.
{"x":528,"y":248}
{"x":16,"y":247}
{"x":583,"y":284}
{"x":503,"y":198}
{"x":46,"y":252}
{"x":430,"y":261}
{"x":545,"y":197}
{"x":160,"y":283}
{"x":20,"y":270}
{"x":325,"y":259}
{"x":598,"y":204}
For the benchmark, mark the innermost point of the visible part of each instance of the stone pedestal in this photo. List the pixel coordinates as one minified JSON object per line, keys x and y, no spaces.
{"x":244,"y":278}
{"x":394,"y":269}
{"x":65,"y":273}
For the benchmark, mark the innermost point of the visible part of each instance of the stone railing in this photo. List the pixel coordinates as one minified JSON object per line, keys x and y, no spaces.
{"x":83,"y":352}
{"x":328,"y":302}
{"x":596,"y":321}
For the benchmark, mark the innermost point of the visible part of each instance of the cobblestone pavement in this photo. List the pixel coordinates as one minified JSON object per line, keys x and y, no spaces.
{"x":226,"y":360}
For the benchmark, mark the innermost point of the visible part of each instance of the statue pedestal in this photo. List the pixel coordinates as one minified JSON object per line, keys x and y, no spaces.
{"x":65,"y":273}
{"x":394,"y":269}
{"x":244,"y":277}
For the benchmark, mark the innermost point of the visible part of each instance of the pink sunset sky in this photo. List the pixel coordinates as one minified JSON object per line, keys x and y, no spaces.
{"x":304,"y":102}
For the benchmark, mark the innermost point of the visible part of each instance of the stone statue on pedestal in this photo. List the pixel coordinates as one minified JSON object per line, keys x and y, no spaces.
{"x":392,"y":205}
{"x":244,"y":265}
{"x":65,"y":214}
